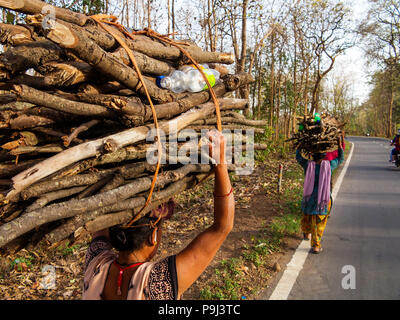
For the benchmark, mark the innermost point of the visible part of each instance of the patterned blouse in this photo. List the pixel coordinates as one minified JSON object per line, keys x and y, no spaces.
{"x":151,"y":280}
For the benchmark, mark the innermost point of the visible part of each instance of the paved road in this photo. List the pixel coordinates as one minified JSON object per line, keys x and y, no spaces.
{"x":363,"y":231}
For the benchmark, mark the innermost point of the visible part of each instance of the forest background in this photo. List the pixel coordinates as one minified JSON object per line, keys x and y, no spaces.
{"x":341,"y":57}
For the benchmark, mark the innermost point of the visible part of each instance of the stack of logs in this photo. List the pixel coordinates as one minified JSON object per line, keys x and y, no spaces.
{"x":317,"y":135}
{"x":74,"y":119}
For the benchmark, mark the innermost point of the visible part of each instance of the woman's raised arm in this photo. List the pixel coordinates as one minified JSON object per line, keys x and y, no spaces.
{"x":194,"y":259}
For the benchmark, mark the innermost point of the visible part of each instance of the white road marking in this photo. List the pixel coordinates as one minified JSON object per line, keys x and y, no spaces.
{"x":293,"y":268}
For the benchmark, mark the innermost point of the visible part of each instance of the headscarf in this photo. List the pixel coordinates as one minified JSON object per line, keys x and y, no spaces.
{"x":324,"y":184}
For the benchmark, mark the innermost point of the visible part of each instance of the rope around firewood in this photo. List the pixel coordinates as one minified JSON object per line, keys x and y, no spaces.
{"x":104,"y":21}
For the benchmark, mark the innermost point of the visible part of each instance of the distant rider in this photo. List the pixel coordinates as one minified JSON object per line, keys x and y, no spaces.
{"x":396,"y":150}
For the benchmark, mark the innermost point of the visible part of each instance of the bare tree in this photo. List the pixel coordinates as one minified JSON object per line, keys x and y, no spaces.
{"x":381,"y":32}
{"x":326,"y":28}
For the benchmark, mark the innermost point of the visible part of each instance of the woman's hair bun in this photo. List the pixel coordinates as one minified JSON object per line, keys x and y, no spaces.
{"x":120,"y":236}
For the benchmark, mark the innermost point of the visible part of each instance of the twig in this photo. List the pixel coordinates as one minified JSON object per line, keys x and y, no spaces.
{"x":84,"y":127}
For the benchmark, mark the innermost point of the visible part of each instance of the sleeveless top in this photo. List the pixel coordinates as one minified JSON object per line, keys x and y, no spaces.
{"x":151,"y":280}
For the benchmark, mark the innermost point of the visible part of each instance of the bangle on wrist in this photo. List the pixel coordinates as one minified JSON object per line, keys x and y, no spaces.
{"x":225,"y":195}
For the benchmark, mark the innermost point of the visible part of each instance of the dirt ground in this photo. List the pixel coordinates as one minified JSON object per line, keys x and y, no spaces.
{"x":22,"y":275}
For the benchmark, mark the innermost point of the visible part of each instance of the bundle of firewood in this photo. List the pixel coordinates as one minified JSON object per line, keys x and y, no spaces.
{"x":317,"y":134}
{"x":74,"y":120}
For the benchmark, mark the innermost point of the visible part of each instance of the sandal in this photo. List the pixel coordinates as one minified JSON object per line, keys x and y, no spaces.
{"x":306,"y":236}
{"x":316,"y":250}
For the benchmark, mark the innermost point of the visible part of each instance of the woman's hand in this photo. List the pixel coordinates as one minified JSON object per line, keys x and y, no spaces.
{"x":340,"y":142}
{"x":217,"y":152}
{"x":216,"y":146}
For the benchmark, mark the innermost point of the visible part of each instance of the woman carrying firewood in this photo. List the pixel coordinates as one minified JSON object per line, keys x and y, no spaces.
{"x":130,"y":275}
{"x":316,"y":201}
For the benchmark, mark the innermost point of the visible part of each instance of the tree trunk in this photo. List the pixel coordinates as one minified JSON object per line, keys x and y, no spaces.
{"x":390,"y":111}
{"x":272,"y":82}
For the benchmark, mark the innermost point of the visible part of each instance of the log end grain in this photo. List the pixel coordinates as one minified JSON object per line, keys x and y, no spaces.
{"x":61,"y":35}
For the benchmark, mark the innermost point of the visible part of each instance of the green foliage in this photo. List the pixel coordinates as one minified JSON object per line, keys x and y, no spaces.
{"x":22,"y":263}
{"x":227,"y":285}
{"x":66,"y":250}
{"x":274,"y":147}
{"x":10,"y":18}
{"x":287,"y":224}
{"x":89,"y":6}
{"x":372,"y":115}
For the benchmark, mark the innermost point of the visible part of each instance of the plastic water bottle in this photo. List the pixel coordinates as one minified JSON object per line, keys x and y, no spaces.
{"x":189,"y":79}
{"x":175,"y":82}
{"x":196,"y":82}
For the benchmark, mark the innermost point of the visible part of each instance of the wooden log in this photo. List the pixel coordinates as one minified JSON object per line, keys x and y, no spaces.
{"x":120,"y":155}
{"x":36,"y":6}
{"x":24,"y":121}
{"x":14,"y":35}
{"x":55,"y":195}
{"x":6,"y":97}
{"x":41,"y":98}
{"x":94,"y":187}
{"x":101,"y":88}
{"x":140,"y":113}
{"x":5,"y":182}
{"x":90,"y":149}
{"x":126,"y":171}
{"x":66,"y":73}
{"x":227,"y":127}
{"x":38,"y":82}
{"x":35,"y":150}
{"x":33,"y":219}
{"x":28,"y":55}
{"x":64,"y":183}
{"x":54,"y":133}
{"x":112,"y":219}
{"x":247,"y":122}
{"x":103,"y":61}
{"x":16,"y":105}
{"x":146,"y":64}
{"x":163,"y":51}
